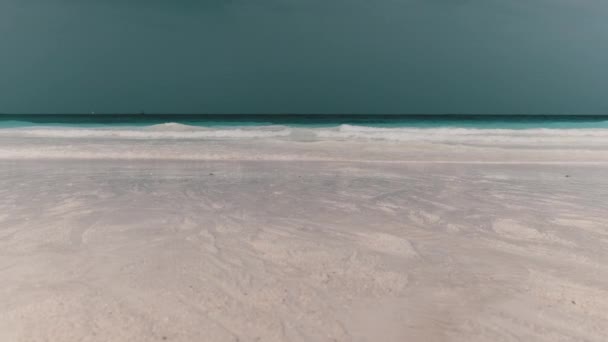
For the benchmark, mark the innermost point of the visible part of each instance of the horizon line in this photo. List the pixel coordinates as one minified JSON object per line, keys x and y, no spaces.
{"x":296,"y":114}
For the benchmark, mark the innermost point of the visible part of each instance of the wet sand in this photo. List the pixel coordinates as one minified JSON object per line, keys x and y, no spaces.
{"x":389,"y":242}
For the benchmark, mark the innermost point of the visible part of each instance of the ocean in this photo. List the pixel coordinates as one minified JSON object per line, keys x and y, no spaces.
{"x":571,"y":130}
{"x":317,"y":120}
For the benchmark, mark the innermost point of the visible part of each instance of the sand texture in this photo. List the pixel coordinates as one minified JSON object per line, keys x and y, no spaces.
{"x":268,"y":240}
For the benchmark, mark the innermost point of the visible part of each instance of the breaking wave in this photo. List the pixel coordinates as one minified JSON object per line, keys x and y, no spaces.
{"x":588,"y":136}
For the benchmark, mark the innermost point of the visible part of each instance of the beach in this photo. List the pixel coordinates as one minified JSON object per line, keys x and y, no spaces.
{"x":170,"y":233}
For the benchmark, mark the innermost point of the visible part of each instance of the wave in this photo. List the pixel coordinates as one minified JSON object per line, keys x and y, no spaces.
{"x":589,"y":136}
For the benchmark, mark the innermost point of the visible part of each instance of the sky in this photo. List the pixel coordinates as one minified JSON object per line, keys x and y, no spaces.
{"x":304,"y":56}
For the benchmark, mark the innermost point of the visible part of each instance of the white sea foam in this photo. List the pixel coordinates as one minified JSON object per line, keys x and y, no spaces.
{"x":162,"y":131}
{"x":343,"y":143}
{"x":586,"y":136}
{"x":467,"y":135}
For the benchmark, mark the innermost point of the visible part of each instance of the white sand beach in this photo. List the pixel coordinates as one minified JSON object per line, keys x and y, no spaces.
{"x":457,"y":236}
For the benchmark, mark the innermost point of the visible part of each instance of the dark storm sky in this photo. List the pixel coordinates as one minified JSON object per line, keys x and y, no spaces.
{"x":304,"y":56}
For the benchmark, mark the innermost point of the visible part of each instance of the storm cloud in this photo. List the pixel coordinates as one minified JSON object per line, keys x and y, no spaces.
{"x":303,"y":56}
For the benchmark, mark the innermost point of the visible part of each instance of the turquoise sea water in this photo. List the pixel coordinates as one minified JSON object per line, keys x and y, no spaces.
{"x":415,"y":121}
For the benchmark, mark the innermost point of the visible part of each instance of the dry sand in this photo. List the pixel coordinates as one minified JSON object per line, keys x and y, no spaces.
{"x":272,"y":240}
